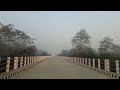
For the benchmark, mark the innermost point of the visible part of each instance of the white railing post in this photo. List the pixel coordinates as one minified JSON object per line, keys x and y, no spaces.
{"x":93,"y":62}
{"x":85,"y":61}
{"x":117,"y":66}
{"x":15,"y":62}
{"x":99,"y":64}
{"x":25,"y":59}
{"x":8,"y":64}
{"x":28,"y":60}
{"x":107,"y":66}
{"x":89,"y":62}
{"x":32,"y":60}
{"x":21,"y":61}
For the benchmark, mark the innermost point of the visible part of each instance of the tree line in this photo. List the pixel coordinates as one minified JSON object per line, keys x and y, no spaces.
{"x":82,"y":47}
{"x":14,"y":42}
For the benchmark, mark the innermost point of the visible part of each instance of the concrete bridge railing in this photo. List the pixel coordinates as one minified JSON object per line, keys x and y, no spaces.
{"x":108,"y":67}
{"x":12,"y":66}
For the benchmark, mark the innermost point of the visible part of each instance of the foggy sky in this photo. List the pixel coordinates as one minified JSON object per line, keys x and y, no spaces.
{"x":54,"y":30}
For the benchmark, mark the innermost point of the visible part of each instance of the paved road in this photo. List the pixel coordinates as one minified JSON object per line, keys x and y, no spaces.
{"x":56,"y":68}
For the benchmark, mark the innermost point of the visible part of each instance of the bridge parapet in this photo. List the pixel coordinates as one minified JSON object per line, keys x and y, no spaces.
{"x":12,"y":66}
{"x":108,"y":67}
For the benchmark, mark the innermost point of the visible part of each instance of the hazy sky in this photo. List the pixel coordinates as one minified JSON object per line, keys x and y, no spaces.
{"x":55,"y":29}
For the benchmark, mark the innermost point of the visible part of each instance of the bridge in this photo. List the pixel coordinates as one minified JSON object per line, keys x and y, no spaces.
{"x":58,"y":67}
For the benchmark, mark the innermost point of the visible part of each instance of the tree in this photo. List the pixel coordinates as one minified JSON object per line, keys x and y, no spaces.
{"x":105,"y":48}
{"x":14,"y":42}
{"x":81,"y":39}
{"x":80,"y":42}
{"x":106,"y":44}
{"x":115,"y":51}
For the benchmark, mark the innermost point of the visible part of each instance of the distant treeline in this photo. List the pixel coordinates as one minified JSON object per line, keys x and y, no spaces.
{"x":14,"y":42}
{"x":82,"y":48}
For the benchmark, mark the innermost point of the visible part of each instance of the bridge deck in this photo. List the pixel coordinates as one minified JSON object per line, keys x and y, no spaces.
{"x":56,"y":68}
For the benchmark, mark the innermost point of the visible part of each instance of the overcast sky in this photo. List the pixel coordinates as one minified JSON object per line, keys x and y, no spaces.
{"x":54,"y":30}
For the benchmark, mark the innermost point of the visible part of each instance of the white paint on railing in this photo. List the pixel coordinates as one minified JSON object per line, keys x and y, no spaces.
{"x":25,"y":61}
{"x":17,"y":70}
{"x":89,"y":62}
{"x":117,"y":66}
{"x":31,"y":60}
{"x":85,"y":61}
{"x":21,"y":61}
{"x":93,"y":62}
{"x":15,"y":62}
{"x":99,"y":63}
{"x":8,"y":64}
{"x":107,"y":66}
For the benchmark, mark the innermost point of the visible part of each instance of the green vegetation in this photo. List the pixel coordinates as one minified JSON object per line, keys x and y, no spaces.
{"x":14,"y":42}
{"x":82,"y":48}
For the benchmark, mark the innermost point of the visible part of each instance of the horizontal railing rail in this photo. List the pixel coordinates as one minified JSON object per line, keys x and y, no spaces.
{"x":9,"y":65}
{"x":106,"y":66}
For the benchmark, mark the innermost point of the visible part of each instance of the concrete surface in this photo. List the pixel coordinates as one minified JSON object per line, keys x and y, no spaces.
{"x":56,"y":68}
